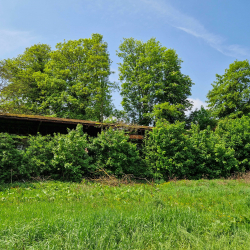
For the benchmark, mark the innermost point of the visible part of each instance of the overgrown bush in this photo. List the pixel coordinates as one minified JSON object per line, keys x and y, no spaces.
{"x":37,"y":158}
{"x":113,"y":152}
{"x":10,"y":159}
{"x":168,"y":151}
{"x":212,"y":156}
{"x":70,"y":157}
{"x":60,"y":156}
{"x":236,"y":134}
{"x":171,"y":151}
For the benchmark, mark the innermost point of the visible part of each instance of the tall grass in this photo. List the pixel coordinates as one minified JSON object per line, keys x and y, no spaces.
{"x":204,"y":214}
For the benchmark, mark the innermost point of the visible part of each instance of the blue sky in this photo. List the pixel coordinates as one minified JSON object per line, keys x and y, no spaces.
{"x":207,"y":35}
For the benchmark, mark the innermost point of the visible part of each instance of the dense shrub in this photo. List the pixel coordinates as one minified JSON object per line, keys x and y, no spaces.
{"x":212,"y":156}
{"x":38,"y":156}
{"x":10,"y":159}
{"x":171,"y":151}
{"x":113,"y":152}
{"x":59,"y":156}
{"x":70,"y":157}
{"x":236,"y":134}
{"x":167,"y":151}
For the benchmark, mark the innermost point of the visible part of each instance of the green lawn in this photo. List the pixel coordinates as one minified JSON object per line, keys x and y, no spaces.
{"x":204,"y":214}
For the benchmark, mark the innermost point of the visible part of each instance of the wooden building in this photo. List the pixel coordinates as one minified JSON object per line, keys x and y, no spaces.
{"x":32,"y":124}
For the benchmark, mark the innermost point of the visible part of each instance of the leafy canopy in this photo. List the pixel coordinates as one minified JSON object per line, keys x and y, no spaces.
{"x":151,"y":75}
{"x":230,"y":95}
{"x":19,"y":92}
{"x":70,"y":81}
{"x":201,"y":117}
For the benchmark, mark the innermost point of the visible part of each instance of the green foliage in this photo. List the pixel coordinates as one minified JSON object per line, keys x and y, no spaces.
{"x":236,"y":134}
{"x":213,"y":158}
{"x":60,"y":157}
{"x":38,"y":155}
{"x":151,"y":75}
{"x":167,"y":111}
{"x":21,"y":92}
{"x":113,"y":152}
{"x":171,"y":151}
{"x":202,"y":117}
{"x":10,"y":159}
{"x":168,"y":152}
{"x":77,"y":83}
{"x":71,"y":160}
{"x":70,"y":81}
{"x":230,"y":95}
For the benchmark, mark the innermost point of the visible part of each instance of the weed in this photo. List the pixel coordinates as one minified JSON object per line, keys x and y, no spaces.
{"x":111,"y":213}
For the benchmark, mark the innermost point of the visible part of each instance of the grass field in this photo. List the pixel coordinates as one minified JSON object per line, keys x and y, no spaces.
{"x":204,"y":214}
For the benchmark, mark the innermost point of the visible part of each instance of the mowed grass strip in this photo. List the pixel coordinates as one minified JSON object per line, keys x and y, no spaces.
{"x":204,"y":214}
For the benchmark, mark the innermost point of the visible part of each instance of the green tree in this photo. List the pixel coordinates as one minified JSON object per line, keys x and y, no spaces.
{"x":19,"y":91}
{"x":201,"y":117}
{"x":230,"y":95}
{"x":166,"y":111}
{"x":70,"y":81}
{"x":151,"y":75}
{"x":172,"y":151}
{"x":77,"y":82}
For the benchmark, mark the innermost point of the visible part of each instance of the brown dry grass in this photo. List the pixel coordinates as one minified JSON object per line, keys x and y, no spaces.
{"x":242,"y":177}
{"x":111,"y":180}
{"x":128,"y":179}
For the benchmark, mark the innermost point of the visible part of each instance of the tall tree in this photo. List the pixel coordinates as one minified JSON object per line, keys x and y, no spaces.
{"x":19,"y":92}
{"x":76,"y":80}
{"x":70,"y":81}
{"x":230,"y":95}
{"x":151,"y":75}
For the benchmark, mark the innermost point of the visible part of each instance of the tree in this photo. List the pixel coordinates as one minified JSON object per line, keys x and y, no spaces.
{"x":71,"y":81}
{"x":230,"y":95}
{"x":4,"y":76}
{"x":20,"y":92}
{"x":77,"y":79}
{"x":201,"y":117}
{"x":151,"y":75}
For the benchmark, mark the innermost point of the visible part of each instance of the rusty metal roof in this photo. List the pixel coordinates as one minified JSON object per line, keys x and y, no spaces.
{"x":70,"y":121}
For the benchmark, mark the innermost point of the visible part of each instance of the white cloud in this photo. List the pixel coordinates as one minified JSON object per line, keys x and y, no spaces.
{"x":170,"y":15}
{"x":197,"y":103}
{"x":193,"y":27}
{"x":11,"y":40}
{"x":235,"y":50}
